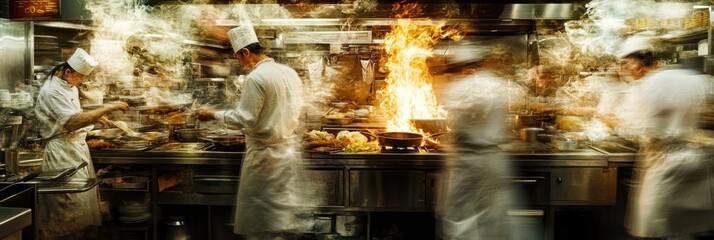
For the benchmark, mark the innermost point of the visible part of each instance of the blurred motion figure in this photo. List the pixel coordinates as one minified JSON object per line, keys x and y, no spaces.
{"x":477,"y":193}
{"x":673,"y":188}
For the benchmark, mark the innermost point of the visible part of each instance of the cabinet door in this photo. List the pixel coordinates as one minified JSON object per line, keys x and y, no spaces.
{"x":574,"y":186}
{"x":387,"y":188}
{"x":322,"y":187}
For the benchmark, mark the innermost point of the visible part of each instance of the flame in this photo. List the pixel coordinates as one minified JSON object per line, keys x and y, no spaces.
{"x":409,"y":93}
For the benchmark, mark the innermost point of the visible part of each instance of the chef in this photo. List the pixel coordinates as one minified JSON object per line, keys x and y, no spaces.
{"x":63,"y":126}
{"x":267,"y":113}
{"x":674,"y":180}
{"x":477,"y":194}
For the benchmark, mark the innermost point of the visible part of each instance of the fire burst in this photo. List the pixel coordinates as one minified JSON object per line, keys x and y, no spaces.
{"x":408,"y":93}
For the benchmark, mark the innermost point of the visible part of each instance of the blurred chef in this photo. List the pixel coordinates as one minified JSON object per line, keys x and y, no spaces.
{"x":635,"y":61}
{"x":64,"y":126}
{"x":477,"y":193}
{"x":267,"y":113}
{"x":674,"y":184}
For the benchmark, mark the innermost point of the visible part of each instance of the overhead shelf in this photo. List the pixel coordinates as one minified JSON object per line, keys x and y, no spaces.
{"x":693,"y":36}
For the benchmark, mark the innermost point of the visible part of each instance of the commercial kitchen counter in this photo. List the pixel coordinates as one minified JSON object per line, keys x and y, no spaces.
{"x":523,"y":157}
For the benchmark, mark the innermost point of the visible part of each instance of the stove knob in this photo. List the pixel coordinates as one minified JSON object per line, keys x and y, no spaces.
{"x":559,"y":180}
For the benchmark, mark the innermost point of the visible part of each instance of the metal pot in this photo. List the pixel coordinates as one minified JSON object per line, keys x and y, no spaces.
{"x":189,"y":134}
{"x":530,"y":134}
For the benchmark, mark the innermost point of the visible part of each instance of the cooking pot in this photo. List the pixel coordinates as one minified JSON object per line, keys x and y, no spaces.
{"x":189,"y":134}
{"x":401,"y":139}
{"x":530,"y":134}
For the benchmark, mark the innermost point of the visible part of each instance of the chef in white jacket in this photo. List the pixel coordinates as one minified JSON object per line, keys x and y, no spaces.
{"x":674,"y":177}
{"x":63,"y":126}
{"x":267,"y":113}
{"x":477,"y":194}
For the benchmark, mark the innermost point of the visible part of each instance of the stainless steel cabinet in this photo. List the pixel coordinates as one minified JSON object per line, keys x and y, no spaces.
{"x":395,"y":189}
{"x":578,"y":186}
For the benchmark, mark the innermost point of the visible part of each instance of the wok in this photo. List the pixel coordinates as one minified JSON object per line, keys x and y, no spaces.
{"x":401,"y":139}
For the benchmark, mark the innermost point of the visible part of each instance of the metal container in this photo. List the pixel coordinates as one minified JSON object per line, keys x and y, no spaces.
{"x":530,"y":134}
{"x":190,"y":134}
{"x":337,"y":121}
{"x":176,"y":229}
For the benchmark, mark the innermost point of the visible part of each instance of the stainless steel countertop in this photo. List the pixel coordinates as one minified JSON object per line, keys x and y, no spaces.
{"x":584,"y":157}
{"x":13,"y":220}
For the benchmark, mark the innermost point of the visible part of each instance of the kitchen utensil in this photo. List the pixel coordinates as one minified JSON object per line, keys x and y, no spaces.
{"x":401,"y":139}
{"x":562,"y":143}
{"x":530,"y":134}
{"x":190,"y":134}
{"x":227,"y":142}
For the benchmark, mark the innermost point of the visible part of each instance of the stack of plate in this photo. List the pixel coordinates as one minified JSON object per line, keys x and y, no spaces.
{"x":134,"y":213}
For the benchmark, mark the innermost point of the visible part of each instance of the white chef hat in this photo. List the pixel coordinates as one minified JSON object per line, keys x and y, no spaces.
{"x":82,"y":62}
{"x":634,"y":44}
{"x":242,"y":36}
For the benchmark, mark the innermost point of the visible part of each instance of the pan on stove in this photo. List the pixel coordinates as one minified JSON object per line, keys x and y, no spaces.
{"x":402,"y":139}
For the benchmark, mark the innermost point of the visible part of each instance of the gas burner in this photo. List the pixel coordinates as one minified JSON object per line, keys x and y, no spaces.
{"x":387,"y":149}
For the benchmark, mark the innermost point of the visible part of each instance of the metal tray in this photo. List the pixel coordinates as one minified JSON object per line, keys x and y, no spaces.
{"x":70,"y":186}
{"x":181,"y":147}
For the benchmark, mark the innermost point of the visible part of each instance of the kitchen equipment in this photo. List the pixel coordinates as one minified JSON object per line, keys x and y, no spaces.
{"x":564,"y":143}
{"x":401,"y":139}
{"x":60,"y":174}
{"x":337,"y":121}
{"x":130,"y":182}
{"x":109,"y":133}
{"x":176,"y":229}
{"x":189,"y":134}
{"x":524,"y":121}
{"x":348,"y":226}
{"x":530,"y":134}
{"x":227,"y":142}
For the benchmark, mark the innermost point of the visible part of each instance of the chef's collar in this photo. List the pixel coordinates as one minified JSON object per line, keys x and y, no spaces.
{"x":63,"y":82}
{"x":264,"y":61}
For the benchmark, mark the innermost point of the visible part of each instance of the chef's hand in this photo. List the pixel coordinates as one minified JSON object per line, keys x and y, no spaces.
{"x":118,"y":105}
{"x":205,"y":114}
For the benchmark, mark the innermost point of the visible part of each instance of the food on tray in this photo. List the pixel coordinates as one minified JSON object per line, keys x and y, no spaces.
{"x":356,"y":142}
{"x":167,"y":181}
{"x":321,"y":141}
{"x":318,"y":135}
{"x":99,"y":144}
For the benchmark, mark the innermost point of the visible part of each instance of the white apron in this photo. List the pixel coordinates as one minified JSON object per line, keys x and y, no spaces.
{"x":674,"y":190}
{"x":674,"y":186}
{"x":57,"y":211}
{"x":267,"y":200}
